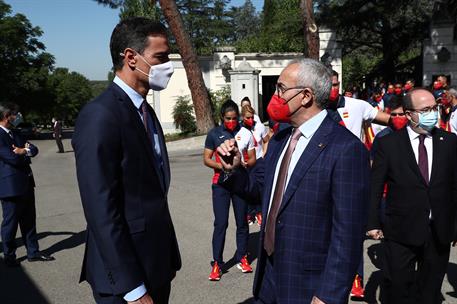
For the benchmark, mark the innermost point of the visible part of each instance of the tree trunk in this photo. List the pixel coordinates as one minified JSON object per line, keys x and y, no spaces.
{"x":310,"y":29}
{"x":198,"y":90}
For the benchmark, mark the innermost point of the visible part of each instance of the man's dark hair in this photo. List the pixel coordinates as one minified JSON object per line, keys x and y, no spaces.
{"x":229,"y":106}
{"x":133,"y":33}
{"x":395,"y":102}
{"x":8,"y":109}
{"x":335,"y":73}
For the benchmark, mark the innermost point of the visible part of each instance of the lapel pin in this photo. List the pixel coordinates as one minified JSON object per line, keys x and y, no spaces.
{"x":441,"y":138}
{"x":321,"y":145}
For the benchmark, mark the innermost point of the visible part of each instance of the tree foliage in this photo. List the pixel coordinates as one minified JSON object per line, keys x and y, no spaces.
{"x":69,"y":92}
{"x":23,"y":63}
{"x":390,"y":31}
{"x":183,"y":115}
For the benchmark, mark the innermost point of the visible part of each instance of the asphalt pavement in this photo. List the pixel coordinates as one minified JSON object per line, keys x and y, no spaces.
{"x":61,"y":230}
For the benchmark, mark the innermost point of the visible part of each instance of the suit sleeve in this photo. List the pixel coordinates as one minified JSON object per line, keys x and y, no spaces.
{"x":8,"y":156}
{"x":350,"y":193}
{"x":378,"y":179}
{"x":98,"y":153}
{"x":248,"y":184}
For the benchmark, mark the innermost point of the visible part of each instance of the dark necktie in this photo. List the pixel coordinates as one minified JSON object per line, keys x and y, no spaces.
{"x":269,"y":243}
{"x":423,"y":159}
{"x":152,"y":132}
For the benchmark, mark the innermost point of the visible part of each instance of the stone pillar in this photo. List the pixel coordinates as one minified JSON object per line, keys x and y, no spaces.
{"x":244,"y":81}
{"x":330,"y":51}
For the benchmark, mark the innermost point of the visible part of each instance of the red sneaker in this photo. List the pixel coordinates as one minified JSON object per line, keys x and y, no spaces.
{"x":357,"y":288}
{"x":216,"y":273}
{"x":258,"y":217}
{"x":244,"y":265}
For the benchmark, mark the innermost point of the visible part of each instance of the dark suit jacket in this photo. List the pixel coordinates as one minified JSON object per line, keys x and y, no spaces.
{"x":130,"y":236}
{"x":16,"y":176}
{"x":321,"y":221}
{"x":409,"y":200}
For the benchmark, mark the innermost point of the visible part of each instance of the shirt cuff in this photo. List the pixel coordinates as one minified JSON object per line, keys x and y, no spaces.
{"x":28,"y":152}
{"x":136,"y":293}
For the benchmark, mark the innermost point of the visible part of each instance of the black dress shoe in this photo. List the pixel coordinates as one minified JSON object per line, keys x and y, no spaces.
{"x":41,"y":257}
{"x":11,"y":262}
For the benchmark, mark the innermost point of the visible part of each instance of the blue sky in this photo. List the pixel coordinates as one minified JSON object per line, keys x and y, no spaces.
{"x":77,"y":32}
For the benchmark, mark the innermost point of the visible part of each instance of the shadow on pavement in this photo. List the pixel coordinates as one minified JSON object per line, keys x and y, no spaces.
{"x":17,"y":287}
{"x":74,"y":240}
{"x":452,"y":278}
{"x":253,"y":247}
{"x":375,"y":253}
{"x":247,"y":301}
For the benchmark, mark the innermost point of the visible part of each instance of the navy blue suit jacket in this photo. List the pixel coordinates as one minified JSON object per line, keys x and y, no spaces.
{"x":16,"y":176}
{"x":130,"y":234}
{"x":321,"y":222}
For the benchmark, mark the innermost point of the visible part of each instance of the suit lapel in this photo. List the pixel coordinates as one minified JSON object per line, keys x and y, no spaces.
{"x":163,"y":149}
{"x":410,"y":156}
{"x":437,"y":151}
{"x":140,"y":130}
{"x":312,"y":151}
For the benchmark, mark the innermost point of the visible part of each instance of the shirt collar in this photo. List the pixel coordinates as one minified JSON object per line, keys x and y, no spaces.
{"x":413,"y":135}
{"x":6,"y":130}
{"x":136,"y":98}
{"x":308,"y":128}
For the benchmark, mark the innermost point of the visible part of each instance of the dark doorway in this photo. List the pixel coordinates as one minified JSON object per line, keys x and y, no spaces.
{"x":268,"y":89}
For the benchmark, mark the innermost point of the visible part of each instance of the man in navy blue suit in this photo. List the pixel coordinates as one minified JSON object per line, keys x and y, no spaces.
{"x":17,"y":189}
{"x":124,"y":174}
{"x":314,"y":187}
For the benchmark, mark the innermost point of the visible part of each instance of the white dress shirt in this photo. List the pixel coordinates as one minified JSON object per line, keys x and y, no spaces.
{"x":308,"y":129}
{"x":428,"y":142}
{"x":8,"y":131}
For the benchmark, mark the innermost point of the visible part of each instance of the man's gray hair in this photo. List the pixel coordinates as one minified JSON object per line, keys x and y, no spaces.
{"x":452,"y":92}
{"x":7,"y":110}
{"x":313,"y":74}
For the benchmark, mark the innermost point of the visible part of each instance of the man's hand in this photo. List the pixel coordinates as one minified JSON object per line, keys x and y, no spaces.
{"x":316,"y":300}
{"x":376,"y":234}
{"x":229,"y":154}
{"x":19,"y":151}
{"x":145,"y":299}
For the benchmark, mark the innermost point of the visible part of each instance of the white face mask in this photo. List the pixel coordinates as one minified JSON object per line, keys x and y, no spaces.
{"x":159,"y":74}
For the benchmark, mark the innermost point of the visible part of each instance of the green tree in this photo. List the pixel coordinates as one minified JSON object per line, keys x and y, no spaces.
{"x":281,"y":29}
{"x":390,"y":31}
{"x":24,"y":65}
{"x":245,"y":21}
{"x":139,"y":8}
{"x":70,"y":91}
{"x":183,"y":115}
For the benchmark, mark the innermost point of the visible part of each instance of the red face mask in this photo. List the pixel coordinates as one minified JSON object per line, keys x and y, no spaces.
{"x":437,"y":85}
{"x":398,"y":91}
{"x":399,"y":122}
{"x":390,"y":90}
{"x":408,"y":87}
{"x":445,"y":101}
{"x":278,"y":109}
{"x":231,"y":125}
{"x":248,"y":122}
{"x":334,"y":94}
{"x":378,"y":99}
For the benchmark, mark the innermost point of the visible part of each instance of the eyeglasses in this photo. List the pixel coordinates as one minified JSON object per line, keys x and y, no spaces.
{"x":281,"y":89}
{"x":426,"y":109}
{"x":397,"y":114}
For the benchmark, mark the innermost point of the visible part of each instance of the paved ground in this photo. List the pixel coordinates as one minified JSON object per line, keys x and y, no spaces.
{"x":61,"y":228}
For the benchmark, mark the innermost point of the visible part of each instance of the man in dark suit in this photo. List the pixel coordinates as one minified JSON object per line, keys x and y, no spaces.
{"x":124,"y":175}
{"x":419,"y":165}
{"x":314,"y":186}
{"x":57,"y":134}
{"x":17,"y":189}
